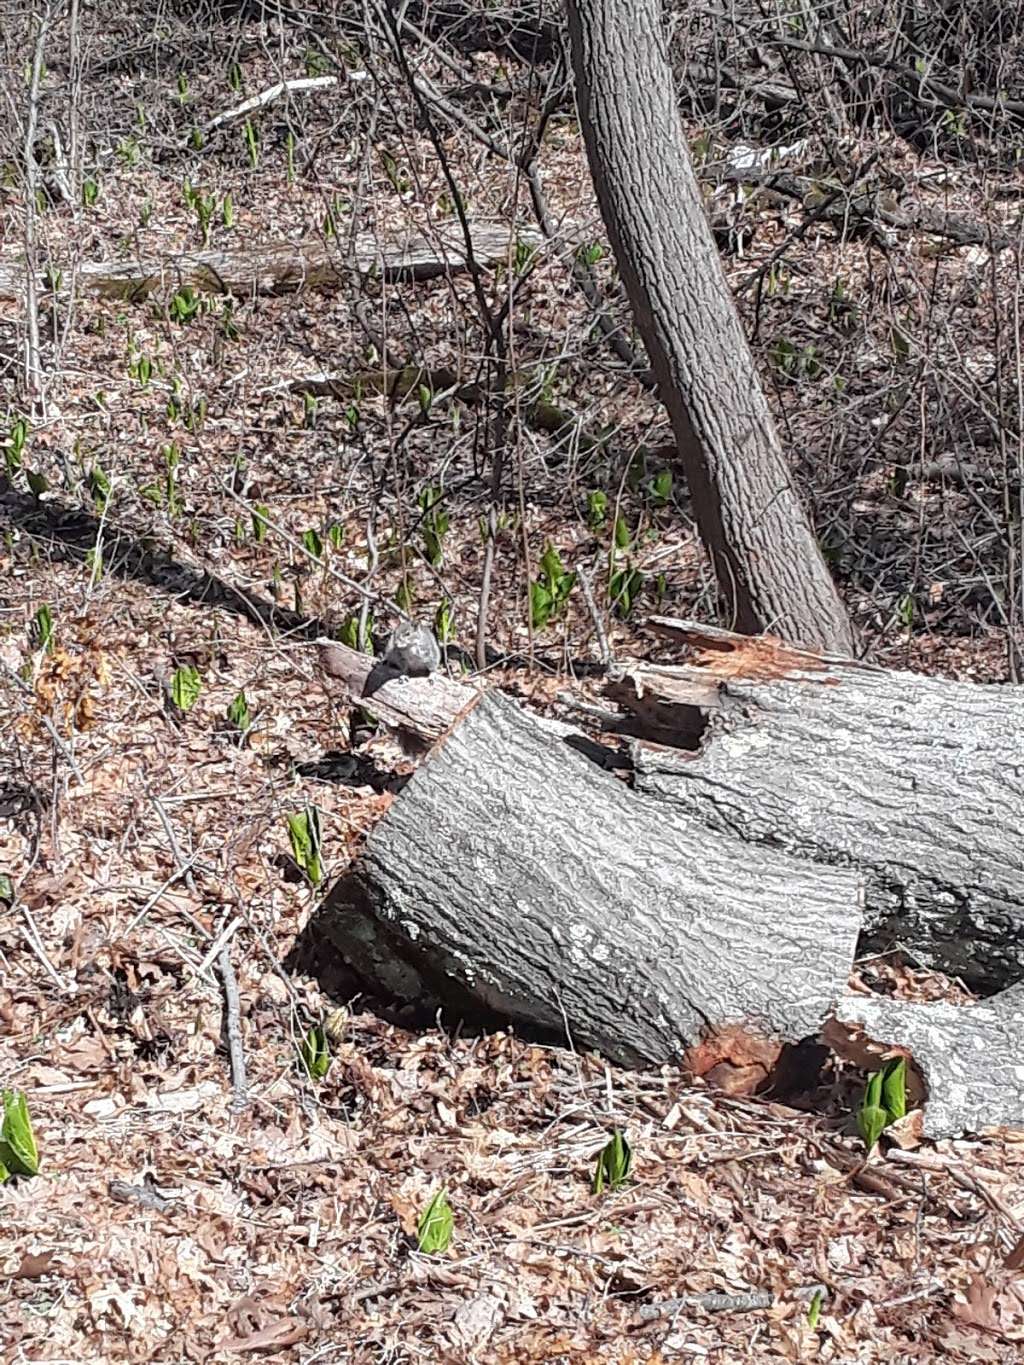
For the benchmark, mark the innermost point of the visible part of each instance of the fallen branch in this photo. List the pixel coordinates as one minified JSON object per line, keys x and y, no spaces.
{"x":233,"y":1028}
{"x":268,"y":96}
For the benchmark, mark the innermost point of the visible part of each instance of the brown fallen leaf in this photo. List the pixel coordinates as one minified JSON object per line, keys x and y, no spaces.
{"x":33,"y":1266}
{"x":992,"y":1308}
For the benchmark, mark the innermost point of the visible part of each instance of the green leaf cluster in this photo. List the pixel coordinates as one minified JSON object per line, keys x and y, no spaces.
{"x":885,"y":1101}
{"x":550,"y":591}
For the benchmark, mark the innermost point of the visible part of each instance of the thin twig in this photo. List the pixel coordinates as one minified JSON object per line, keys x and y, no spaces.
{"x":587,"y":590}
{"x":233,"y":1028}
{"x":723,"y":1303}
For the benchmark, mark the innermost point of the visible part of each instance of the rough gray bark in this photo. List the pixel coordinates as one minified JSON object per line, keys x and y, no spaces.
{"x":768,"y":564}
{"x":285,"y":265}
{"x":513,"y":875}
{"x":917,"y":782}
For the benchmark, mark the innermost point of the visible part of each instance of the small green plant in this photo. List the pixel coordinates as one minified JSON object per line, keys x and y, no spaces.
{"x":304,"y":833}
{"x":316,"y":1054}
{"x":777,"y":281}
{"x":14,"y":445}
{"x":659,"y":488}
{"x":814,"y":1308}
{"x":172,"y":459}
{"x":140,"y":368}
{"x":435,"y":1226}
{"x":436,"y":522}
{"x":399,"y":182}
{"x":146,"y":212}
{"x":129,"y":152}
{"x":590,"y":255}
{"x":311,"y":541}
{"x":238,"y":713}
{"x":315,"y":62}
{"x":523,"y":257}
{"x":614,"y":1163}
{"x":404,"y":595}
{"x":185,"y":305}
{"x":550,"y":591}
{"x":310,"y":411}
{"x":99,"y":487}
{"x":252,"y":143}
{"x":90,"y":191}
{"x":260,"y":522}
{"x":885,"y":1101}
{"x":182,"y":87}
{"x":795,"y":362}
{"x":444,"y":623}
{"x":202,"y":205}
{"x":19,"y":1154}
{"x":52,"y":278}
{"x":624,"y":588}
{"x":227,"y":211}
{"x":900,"y":342}
{"x":42,"y":628}
{"x":235,"y":77}
{"x":186,"y":685}
{"x":905,"y":610}
{"x":289,"y":147}
{"x":349,"y":634}
{"x":841,"y":311}
{"x":597,"y":509}
{"x":336,"y":534}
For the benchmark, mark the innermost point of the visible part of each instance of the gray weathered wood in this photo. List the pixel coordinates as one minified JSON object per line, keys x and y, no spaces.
{"x":513,"y":875}
{"x":281,"y":266}
{"x":916,"y":781}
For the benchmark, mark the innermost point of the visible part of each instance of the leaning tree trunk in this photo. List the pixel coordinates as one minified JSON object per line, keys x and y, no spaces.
{"x":768,"y":564}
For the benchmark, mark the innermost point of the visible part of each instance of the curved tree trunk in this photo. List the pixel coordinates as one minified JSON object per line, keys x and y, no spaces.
{"x":769,"y":568}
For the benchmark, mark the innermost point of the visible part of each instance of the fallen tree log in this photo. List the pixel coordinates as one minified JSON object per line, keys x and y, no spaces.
{"x":285,"y":266}
{"x":513,"y":877}
{"x":713,"y":910}
{"x":917,"y":782}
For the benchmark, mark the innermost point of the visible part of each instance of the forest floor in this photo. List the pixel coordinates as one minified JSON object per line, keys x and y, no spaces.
{"x":180,"y":477}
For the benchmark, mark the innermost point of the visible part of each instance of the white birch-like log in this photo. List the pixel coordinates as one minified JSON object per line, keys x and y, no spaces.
{"x":514,"y":877}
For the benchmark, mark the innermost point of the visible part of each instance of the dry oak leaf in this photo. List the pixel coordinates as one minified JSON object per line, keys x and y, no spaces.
{"x":994,"y":1308}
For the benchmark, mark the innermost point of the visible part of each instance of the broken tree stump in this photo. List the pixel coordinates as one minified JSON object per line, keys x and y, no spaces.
{"x":917,"y":782}
{"x":514,"y":877}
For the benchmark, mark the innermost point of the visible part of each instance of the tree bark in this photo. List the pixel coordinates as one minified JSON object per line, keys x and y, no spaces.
{"x":917,"y":782}
{"x":770,"y":570}
{"x":514,"y":877}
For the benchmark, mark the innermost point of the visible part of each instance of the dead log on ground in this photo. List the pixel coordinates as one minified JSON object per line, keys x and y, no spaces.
{"x":286,"y":266}
{"x":515,"y":878}
{"x":717,"y":906}
{"x":917,"y":782}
